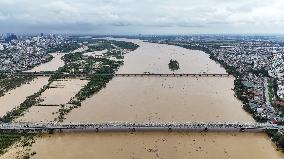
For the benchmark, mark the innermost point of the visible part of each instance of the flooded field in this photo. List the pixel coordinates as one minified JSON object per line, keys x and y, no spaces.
{"x":155,"y":145}
{"x":60,"y":92}
{"x":15,"y":97}
{"x":52,"y":65}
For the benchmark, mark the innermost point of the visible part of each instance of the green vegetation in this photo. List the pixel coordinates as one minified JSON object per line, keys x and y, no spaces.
{"x":173,"y":65}
{"x":64,"y":48}
{"x":125,"y":45}
{"x":272,"y":88}
{"x":78,"y":64}
{"x":9,"y":138}
{"x":9,"y":82}
{"x":100,"y":44}
{"x":277,"y":138}
{"x":261,"y":72}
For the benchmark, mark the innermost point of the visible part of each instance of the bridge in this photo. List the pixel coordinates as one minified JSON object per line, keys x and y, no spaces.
{"x":47,"y":74}
{"x":136,"y":127}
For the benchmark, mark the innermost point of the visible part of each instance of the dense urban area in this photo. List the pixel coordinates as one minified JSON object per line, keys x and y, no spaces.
{"x":256,"y":62}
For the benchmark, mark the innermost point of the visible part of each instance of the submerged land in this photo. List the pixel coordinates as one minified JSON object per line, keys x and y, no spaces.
{"x":73,"y":91}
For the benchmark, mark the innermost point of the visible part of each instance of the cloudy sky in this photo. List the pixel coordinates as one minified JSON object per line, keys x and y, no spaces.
{"x":142,"y":16}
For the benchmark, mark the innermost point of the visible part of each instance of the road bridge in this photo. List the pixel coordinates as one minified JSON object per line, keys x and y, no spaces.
{"x":137,"y":127}
{"x":47,"y":74}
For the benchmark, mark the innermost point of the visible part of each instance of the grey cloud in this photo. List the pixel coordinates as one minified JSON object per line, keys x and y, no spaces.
{"x":141,"y":16}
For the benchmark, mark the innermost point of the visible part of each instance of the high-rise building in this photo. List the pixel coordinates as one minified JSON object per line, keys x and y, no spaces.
{"x":10,"y":36}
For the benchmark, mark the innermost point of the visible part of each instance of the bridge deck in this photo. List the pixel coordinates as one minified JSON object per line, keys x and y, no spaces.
{"x":126,"y":127}
{"x":129,"y":75}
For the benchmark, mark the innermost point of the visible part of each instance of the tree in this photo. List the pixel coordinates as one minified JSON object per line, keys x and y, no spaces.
{"x":173,"y":65}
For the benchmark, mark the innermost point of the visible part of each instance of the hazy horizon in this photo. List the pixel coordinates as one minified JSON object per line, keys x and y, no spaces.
{"x":133,"y":17}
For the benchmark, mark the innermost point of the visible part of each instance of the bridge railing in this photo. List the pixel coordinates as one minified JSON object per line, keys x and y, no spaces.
{"x":126,"y":124}
{"x":126,"y":74}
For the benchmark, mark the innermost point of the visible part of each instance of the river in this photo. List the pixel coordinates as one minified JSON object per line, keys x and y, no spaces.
{"x":154,"y":99}
{"x":143,"y":99}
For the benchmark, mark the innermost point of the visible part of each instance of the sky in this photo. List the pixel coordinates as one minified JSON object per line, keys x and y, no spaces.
{"x":142,"y":16}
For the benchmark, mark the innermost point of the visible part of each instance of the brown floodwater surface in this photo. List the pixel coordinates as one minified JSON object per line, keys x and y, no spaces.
{"x":154,"y":58}
{"x":60,"y":92}
{"x":158,"y":99}
{"x":155,"y":146}
{"x":163,"y":99}
{"x":16,"y":96}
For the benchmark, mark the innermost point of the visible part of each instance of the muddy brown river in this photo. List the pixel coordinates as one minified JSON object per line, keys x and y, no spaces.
{"x":162,"y":99}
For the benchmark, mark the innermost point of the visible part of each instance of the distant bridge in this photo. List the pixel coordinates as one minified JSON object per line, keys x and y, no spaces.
{"x":136,"y":127}
{"x":46,"y":74}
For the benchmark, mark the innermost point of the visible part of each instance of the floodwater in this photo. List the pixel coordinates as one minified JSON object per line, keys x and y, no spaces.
{"x":16,"y":96}
{"x":155,"y":146}
{"x":156,"y":99}
{"x":60,"y":92}
{"x":160,"y":99}
{"x":154,"y":58}
{"x":52,"y":65}
{"x":163,"y":99}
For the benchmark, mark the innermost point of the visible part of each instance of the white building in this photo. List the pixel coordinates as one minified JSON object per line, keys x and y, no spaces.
{"x":1,"y":47}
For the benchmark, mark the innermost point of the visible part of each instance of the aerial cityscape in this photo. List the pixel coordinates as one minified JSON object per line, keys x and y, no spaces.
{"x":131,"y":79}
